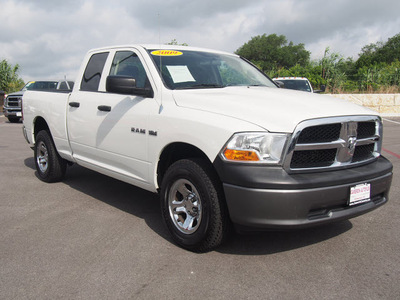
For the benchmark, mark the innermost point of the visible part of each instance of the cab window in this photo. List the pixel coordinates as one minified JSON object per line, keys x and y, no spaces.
{"x":127,"y":63}
{"x":94,"y":69}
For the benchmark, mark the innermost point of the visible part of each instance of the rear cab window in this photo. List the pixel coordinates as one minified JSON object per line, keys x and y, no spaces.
{"x":94,"y":69}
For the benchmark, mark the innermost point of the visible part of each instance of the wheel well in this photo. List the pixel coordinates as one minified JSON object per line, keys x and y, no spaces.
{"x":175,"y":152}
{"x":40,"y":124}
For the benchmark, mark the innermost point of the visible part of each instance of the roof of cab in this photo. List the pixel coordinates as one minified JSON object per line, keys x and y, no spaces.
{"x":162,"y":47}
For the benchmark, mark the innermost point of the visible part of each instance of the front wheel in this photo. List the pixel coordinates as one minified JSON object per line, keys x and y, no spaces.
{"x":193,"y":205}
{"x":49,"y":165}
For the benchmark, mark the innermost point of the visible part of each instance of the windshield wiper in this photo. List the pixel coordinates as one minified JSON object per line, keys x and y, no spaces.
{"x":202,"y":86}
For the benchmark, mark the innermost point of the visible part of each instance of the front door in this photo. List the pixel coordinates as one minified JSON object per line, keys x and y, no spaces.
{"x":108,"y":132}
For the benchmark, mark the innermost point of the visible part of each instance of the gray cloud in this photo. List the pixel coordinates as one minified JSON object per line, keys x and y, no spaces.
{"x":178,"y":13}
{"x":49,"y":38}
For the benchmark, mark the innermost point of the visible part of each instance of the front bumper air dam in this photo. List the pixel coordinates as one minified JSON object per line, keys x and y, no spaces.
{"x":12,"y":112}
{"x":287,"y":206}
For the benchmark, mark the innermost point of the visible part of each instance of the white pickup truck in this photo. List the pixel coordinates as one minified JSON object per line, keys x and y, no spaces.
{"x":13,"y":102}
{"x":215,"y":137}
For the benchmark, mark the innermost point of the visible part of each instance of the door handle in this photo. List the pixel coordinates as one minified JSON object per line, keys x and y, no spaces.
{"x":104,"y":108}
{"x":74,"y":104}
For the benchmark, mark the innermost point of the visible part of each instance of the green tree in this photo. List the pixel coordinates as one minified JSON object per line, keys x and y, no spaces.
{"x":334,"y":70}
{"x":376,"y":70}
{"x":380,"y":53}
{"x":175,"y":42}
{"x":273,"y":52}
{"x":368,"y":54}
{"x":9,"y":79}
{"x":382,"y":75}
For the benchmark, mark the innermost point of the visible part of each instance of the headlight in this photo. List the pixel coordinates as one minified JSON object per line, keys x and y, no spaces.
{"x":261,"y":147}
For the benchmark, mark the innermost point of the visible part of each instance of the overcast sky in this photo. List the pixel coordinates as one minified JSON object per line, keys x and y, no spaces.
{"x":49,"y":38}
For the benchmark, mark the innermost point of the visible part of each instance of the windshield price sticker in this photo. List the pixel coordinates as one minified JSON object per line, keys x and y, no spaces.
{"x":180,"y":74}
{"x":360,"y":193}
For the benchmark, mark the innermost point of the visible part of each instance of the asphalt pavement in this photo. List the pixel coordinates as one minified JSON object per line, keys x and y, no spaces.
{"x":93,"y":237}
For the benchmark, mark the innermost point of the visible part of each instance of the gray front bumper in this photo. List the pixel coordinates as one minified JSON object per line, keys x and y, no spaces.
{"x":282,"y":209}
{"x":287,"y":201}
{"x":12,"y":112}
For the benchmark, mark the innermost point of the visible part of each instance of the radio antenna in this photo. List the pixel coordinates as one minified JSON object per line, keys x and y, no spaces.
{"x":159,"y":54}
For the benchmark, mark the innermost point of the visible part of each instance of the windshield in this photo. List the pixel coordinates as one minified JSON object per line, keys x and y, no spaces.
{"x":40,"y":85}
{"x":296,"y":84}
{"x":196,"y":69}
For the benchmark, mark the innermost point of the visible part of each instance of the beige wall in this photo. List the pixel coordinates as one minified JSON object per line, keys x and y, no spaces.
{"x":384,"y":104}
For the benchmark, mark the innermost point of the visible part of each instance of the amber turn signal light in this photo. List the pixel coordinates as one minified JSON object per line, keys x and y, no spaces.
{"x":240,"y":155}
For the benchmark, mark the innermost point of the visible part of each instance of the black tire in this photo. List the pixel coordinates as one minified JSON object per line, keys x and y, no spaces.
{"x":193,"y":205}
{"x":49,"y":165}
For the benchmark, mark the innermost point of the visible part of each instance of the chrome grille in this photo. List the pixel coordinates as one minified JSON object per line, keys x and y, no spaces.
{"x":365,"y":129}
{"x":334,"y":143}
{"x":320,"y":134}
{"x":313,"y":158}
{"x":14,"y":101}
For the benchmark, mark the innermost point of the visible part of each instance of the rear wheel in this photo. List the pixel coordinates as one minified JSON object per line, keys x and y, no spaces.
{"x":49,"y":165}
{"x":193,"y":205}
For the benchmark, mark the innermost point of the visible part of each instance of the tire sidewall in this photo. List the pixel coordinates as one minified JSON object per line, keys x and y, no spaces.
{"x":176,"y":172}
{"x":41,"y":137}
{"x":56,"y":165}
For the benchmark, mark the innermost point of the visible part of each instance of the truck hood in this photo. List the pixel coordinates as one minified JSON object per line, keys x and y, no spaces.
{"x":273,"y":109}
{"x":19,"y":93}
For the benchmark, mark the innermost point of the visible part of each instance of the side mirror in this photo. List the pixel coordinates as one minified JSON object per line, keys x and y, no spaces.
{"x":126,"y":85}
{"x":323,"y":87}
{"x":280,"y":84}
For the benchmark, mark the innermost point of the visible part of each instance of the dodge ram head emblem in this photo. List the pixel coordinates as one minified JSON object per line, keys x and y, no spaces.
{"x":351,"y":144}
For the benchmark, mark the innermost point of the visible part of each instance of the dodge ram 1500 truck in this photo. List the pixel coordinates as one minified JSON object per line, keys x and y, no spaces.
{"x":215,"y":137}
{"x":13,"y":103}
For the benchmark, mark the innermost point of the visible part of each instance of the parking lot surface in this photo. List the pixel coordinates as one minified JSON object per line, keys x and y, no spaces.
{"x":93,"y":237}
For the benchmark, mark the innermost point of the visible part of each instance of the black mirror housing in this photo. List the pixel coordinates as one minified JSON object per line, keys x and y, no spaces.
{"x":126,"y":85}
{"x":323,"y":87}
